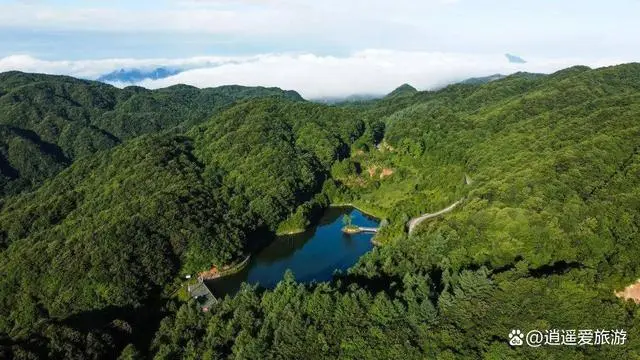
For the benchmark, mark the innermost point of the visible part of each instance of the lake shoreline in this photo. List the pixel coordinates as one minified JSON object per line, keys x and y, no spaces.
{"x":312,"y":224}
{"x":350,"y":205}
{"x":291,"y":232}
{"x":239,"y":267}
{"x":233,"y":269}
{"x":309,"y":255}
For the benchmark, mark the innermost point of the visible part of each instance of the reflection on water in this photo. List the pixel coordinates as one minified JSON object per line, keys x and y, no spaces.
{"x":312,"y":256}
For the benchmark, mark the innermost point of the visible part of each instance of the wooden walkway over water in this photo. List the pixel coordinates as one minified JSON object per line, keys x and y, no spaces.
{"x":358,"y":230}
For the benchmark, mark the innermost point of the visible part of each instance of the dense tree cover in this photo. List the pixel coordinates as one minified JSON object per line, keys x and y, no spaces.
{"x":459,"y":315}
{"x":304,"y":215}
{"x":276,"y":153}
{"x":48,"y":121}
{"x":562,"y":150}
{"x":547,"y":169}
{"x":114,"y":229}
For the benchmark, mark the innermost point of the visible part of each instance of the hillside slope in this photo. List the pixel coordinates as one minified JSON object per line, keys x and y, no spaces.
{"x":547,"y":167}
{"x":547,"y":231}
{"x":114,"y":229}
{"x":47,"y":121}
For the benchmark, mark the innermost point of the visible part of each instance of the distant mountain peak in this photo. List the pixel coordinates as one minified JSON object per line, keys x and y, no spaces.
{"x":355,"y":98}
{"x":132,"y":76}
{"x":483,"y":80}
{"x":403,"y":89}
{"x":515,"y":59}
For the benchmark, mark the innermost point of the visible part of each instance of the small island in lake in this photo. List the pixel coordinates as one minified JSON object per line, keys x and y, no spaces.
{"x":349,"y":228}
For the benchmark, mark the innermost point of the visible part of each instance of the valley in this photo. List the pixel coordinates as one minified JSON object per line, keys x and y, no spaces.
{"x":110,"y":197}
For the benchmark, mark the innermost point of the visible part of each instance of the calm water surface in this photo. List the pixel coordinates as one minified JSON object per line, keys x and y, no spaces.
{"x":312,"y":256}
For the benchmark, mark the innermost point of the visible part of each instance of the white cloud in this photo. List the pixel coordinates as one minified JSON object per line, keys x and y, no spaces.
{"x":363,"y":72}
{"x":91,"y":69}
{"x":106,"y":18}
{"x":237,"y":17}
{"x":560,"y":27}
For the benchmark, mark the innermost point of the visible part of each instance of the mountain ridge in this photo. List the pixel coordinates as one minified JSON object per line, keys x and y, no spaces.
{"x":134,"y":75}
{"x":76,"y":118}
{"x":93,"y":256}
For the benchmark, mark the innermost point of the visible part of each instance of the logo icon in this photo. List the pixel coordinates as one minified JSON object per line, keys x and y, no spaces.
{"x":515,"y":338}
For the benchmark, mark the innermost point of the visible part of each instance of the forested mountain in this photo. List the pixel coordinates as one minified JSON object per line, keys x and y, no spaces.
{"x":114,"y":229}
{"x":546,"y":171}
{"x":351,"y":99}
{"x":48,"y":121}
{"x":402,"y":90}
{"x":483,"y":79}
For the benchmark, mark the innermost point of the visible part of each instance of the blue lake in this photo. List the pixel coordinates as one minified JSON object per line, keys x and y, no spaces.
{"x":312,"y":256}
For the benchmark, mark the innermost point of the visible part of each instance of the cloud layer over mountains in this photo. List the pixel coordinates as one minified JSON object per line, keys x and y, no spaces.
{"x":314,"y":76}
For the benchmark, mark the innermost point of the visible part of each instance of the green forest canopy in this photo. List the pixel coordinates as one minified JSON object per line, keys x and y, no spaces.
{"x":48,"y":121}
{"x":546,"y":231}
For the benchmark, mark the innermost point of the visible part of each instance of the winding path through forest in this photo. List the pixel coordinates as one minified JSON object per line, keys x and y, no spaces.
{"x":417,"y":220}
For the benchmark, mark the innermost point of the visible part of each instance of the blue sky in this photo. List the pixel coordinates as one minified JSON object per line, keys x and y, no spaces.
{"x":49,"y":34}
